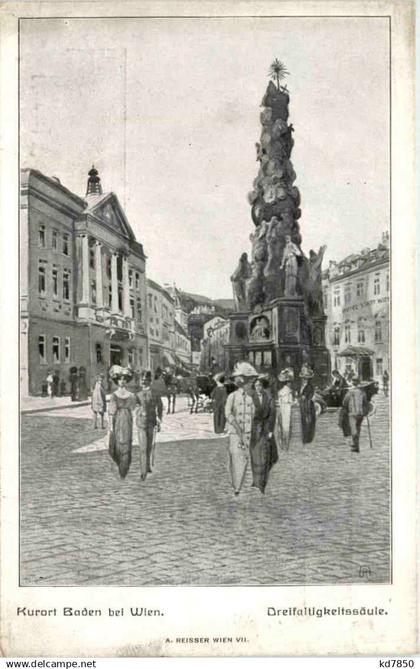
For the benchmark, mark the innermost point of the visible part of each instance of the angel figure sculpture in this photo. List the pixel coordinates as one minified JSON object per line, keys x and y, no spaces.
{"x":290,"y":266}
{"x":239,"y":278}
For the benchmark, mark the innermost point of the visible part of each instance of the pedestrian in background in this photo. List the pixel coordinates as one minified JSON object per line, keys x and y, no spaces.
{"x":263,"y":448}
{"x":56,"y":383}
{"x":219,"y":396}
{"x":307,"y":406}
{"x":99,"y":401}
{"x":240,"y":409}
{"x":285,"y":402}
{"x":74,"y":379}
{"x":355,"y":408}
{"x":82,"y":389}
{"x":385,"y":383}
{"x":148,"y":418}
{"x":121,"y":405}
{"x":50,"y":382}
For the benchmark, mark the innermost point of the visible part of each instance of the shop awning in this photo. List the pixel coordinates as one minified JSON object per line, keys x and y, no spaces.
{"x":167,"y":359}
{"x":355,"y":352}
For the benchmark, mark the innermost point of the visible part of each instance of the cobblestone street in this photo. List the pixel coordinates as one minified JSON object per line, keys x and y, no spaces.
{"x":324,"y":517}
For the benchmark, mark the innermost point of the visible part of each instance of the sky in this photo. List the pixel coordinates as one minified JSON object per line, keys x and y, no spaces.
{"x":168,"y":111}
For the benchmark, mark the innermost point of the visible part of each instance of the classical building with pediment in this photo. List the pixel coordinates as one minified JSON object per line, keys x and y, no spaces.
{"x":83,"y":284}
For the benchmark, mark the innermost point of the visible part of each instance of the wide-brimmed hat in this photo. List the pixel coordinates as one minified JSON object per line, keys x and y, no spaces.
{"x":286,"y":374}
{"x":244,"y":369}
{"x":306,"y":372}
{"x":116,"y":372}
{"x":264,"y":379}
{"x":355,"y":381}
{"x":218,"y":377}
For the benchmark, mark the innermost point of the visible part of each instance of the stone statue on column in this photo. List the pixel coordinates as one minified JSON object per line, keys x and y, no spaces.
{"x":290,"y":266}
{"x":239,"y":279}
{"x":311,"y":280}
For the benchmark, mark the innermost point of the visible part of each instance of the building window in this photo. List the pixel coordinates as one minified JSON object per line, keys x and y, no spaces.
{"x":55,"y":281}
{"x":130,"y":278}
{"x":54,"y":240}
{"x":155,"y":307}
{"x":361,"y":334}
{"x":378,"y":331}
{"x":42,"y":350}
{"x":377,"y":286}
{"x":120,"y":298}
{"x":67,"y":349}
{"x":140,"y":357}
{"x":98,"y":350}
{"x":379,"y":366}
{"x":108,"y":266}
{"x":337,"y":298}
{"x":41,"y":236}
{"x":131,"y":357}
{"x":41,"y":278}
{"x":56,"y":349}
{"x":360,"y":288}
{"x":92,"y":257}
{"x":66,"y":285}
{"x":325,"y":299}
{"x":347,"y":334}
{"x":132,"y":307}
{"x":93,"y":291}
{"x":119,"y":268}
{"x":137,"y":281}
{"x":347,"y":293}
{"x":139,"y":310}
{"x":65,"y":244}
{"x":109,"y":296}
{"x":387,"y":283}
{"x":336,"y":338}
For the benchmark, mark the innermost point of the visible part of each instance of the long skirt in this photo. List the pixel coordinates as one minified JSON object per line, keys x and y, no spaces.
{"x":121,"y":439}
{"x":219,"y":419}
{"x":263,"y":456}
{"x":308,"y":418}
{"x":238,"y":460}
{"x":288,"y":427}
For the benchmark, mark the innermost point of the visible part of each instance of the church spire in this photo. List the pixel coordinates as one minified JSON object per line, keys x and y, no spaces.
{"x":93,"y":183}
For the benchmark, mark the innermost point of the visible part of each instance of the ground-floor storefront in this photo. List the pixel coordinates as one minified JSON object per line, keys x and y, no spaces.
{"x":60,"y":347}
{"x":366,"y":363}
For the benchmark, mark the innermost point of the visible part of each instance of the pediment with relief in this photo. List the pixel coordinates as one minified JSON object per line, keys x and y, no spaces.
{"x":110,"y":211}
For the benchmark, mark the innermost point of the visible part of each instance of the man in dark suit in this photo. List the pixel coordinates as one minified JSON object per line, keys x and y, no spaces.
{"x":355,"y":406}
{"x":148,"y":420}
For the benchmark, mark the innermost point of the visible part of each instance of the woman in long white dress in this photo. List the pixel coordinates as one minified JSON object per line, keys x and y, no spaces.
{"x":288,"y":429}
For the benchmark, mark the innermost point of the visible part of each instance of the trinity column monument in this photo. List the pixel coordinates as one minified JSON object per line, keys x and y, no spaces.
{"x":279,"y":319}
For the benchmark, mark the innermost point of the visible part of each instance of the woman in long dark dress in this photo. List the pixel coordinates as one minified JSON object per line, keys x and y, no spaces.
{"x":82,"y":388}
{"x":120,"y":409}
{"x":263,"y":448}
{"x":219,"y":396}
{"x":307,"y":406}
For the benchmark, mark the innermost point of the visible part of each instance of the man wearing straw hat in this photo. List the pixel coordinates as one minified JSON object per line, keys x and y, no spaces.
{"x":239,"y":410}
